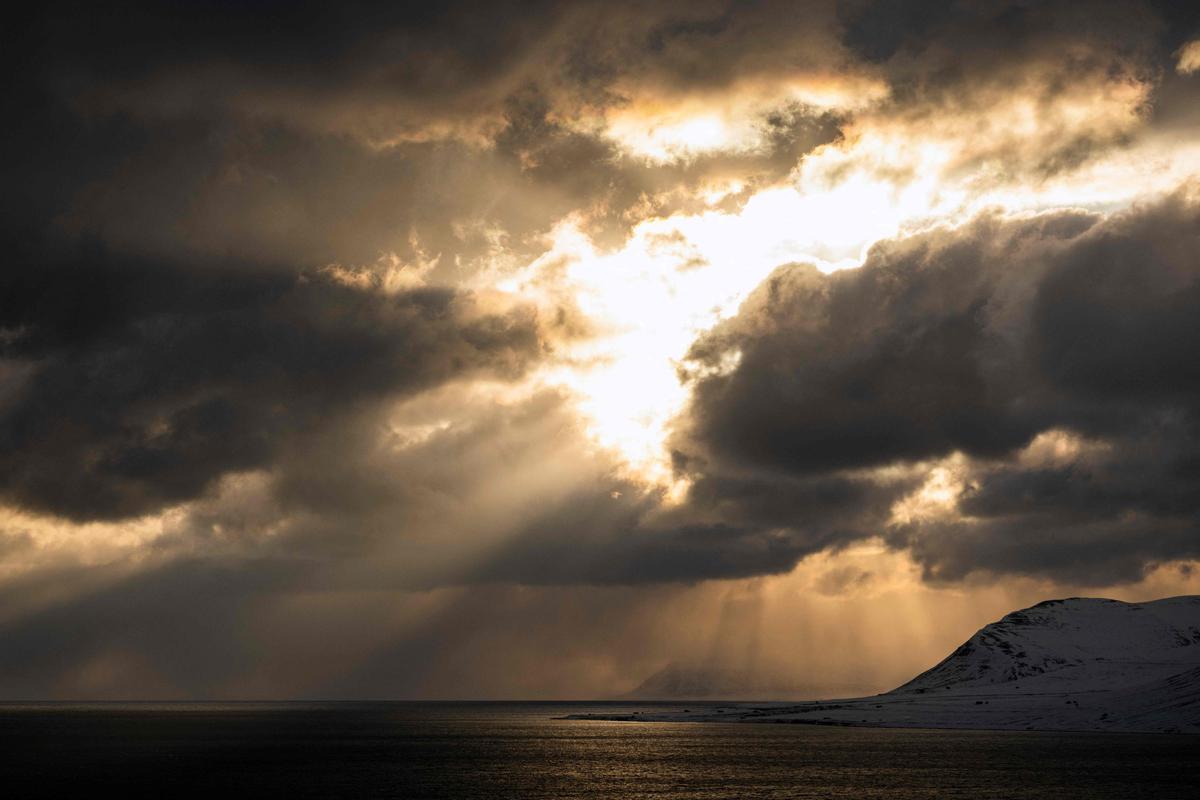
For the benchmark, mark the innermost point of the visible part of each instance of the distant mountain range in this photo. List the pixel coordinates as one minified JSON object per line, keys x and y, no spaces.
{"x":680,"y":682}
{"x":1074,"y":664}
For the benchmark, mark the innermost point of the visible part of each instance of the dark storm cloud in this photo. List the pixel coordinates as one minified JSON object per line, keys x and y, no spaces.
{"x":1100,"y":553}
{"x":195,"y":144}
{"x":506,"y":492}
{"x":183,"y":172}
{"x":950,"y":42}
{"x":598,"y":539}
{"x":612,"y":531}
{"x":309,"y":134}
{"x":143,"y":382}
{"x":587,"y":172}
{"x":377,"y":69}
{"x":975,"y":341}
{"x":255,"y":129}
{"x":863,"y":368}
{"x":387,"y":70}
{"x":180,"y":177}
{"x":806,"y":514}
{"x":1029,"y":63}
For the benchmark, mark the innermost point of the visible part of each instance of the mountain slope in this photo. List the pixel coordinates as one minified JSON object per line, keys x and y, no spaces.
{"x":1076,"y":644}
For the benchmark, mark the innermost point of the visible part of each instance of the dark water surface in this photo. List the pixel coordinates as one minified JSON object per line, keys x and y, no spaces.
{"x":503,"y":750}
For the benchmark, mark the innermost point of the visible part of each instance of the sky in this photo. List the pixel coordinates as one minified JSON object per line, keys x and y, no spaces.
{"x":529,"y":350}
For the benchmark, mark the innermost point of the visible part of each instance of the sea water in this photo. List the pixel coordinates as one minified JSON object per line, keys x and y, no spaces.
{"x":520,"y":750}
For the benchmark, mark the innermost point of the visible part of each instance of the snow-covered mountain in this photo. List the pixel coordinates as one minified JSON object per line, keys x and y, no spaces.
{"x":1075,"y":664}
{"x":1079,"y":644}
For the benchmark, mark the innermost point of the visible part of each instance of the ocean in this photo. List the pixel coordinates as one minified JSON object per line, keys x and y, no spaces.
{"x":519,"y":750}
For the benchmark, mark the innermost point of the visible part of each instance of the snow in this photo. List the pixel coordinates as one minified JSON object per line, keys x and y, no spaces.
{"x":1074,"y":664}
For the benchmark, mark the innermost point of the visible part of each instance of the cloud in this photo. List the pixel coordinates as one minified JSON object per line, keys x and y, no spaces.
{"x":394,"y":74}
{"x":1189,"y":58}
{"x":145,"y":382}
{"x":990,"y":95}
{"x":267,"y":428}
{"x":258,"y":130}
{"x":973,"y":342}
{"x":227,"y":142}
